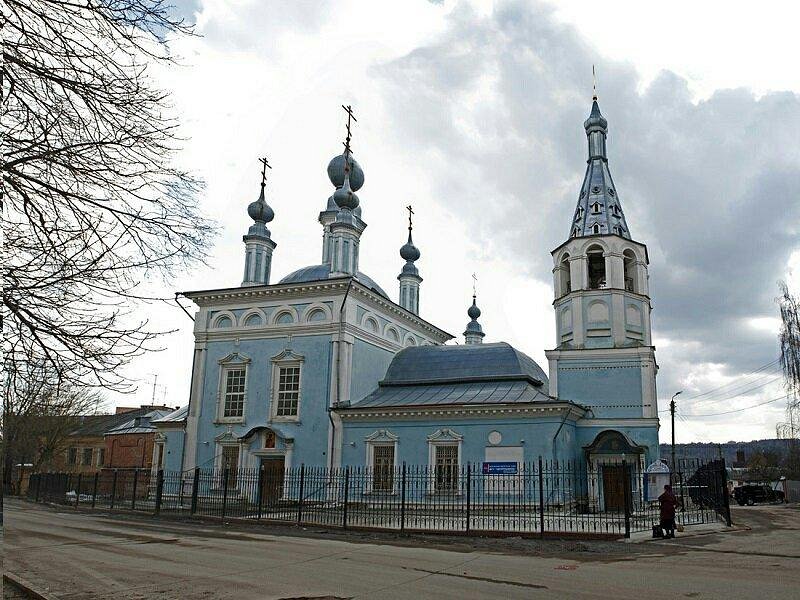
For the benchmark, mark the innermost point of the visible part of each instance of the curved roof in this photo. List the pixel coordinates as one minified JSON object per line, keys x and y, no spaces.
{"x":322,"y":272}
{"x":460,"y":364}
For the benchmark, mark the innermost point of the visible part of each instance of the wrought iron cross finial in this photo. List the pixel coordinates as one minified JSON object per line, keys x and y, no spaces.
{"x":474,"y":285}
{"x":594,"y":84}
{"x":264,"y":166}
{"x":350,"y":116}
{"x":410,"y":212}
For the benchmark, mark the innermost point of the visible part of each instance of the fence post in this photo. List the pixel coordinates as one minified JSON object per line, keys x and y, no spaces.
{"x":159,"y":490}
{"x":260,"y":490}
{"x":403,"y":498}
{"x":38,"y":486}
{"x":626,"y":491}
{"x":195,"y":484}
{"x":469,"y":493}
{"x":726,"y":500}
{"x":67,"y":487}
{"x":113,"y":489}
{"x":94,"y":489}
{"x":541,"y":498}
{"x":133,"y":495}
{"x":302,"y":491}
{"x":225,"y":475}
{"x":78,"y":491}
{"x":346,"y":495}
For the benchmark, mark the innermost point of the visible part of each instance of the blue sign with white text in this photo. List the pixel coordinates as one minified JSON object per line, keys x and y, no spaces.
{"x":500,"y":468}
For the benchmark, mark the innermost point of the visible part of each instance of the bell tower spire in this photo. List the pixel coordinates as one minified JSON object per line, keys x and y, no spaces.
{"x":473,"y":334}
{"x":258,"y":243}
{"x":409,"y":277}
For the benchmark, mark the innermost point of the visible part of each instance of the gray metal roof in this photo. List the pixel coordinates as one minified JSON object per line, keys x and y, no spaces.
{"x":598,"y":203}
{"x":460,"y":364}
{"x":176,"y":416}
{"x":140,"y":424}
{"x":322,"y":272}
{"x":476,"y":392}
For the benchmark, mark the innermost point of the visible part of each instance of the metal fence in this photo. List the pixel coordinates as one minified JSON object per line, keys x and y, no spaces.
{"x":533,"y":498}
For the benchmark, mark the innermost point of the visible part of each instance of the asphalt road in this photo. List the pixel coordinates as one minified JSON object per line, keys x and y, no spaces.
{"x":79,"y":555}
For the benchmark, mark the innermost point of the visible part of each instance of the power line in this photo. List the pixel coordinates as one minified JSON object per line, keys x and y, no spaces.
{"x":735,"y":382}
{"x":729,"y":412}
{"x":741,"y":393}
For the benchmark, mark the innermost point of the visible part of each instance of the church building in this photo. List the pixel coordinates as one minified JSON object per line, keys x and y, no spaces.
{"x":324,"y":368}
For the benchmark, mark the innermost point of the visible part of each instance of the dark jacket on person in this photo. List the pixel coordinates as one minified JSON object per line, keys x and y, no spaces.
{"x":668,"y":503}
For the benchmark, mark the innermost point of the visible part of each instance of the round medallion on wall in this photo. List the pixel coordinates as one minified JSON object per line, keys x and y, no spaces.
{"x":495,"y":437}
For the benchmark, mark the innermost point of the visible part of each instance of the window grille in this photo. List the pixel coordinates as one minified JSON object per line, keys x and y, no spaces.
{"x":383,"y":468}
{"x":86,"y":457}
{"x":101,"y":457}
{"x":72,"y":456}
{"x":288,"y":391}
{"x":446,"y":468}
{"x":234,"y":393}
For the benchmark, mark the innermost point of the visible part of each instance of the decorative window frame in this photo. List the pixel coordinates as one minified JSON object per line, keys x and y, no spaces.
{"x":318,"y":306}
{"x":443,"y":437}
{"x":250,"y":313}
{"x":368,"y":316}
{"x":410,"y":341}
{"x":381,"y":437}
{"x":227,"y":439}
{"x":284,"y":359}
{"x":283,"y":309}
{"x":234,"y":360}
{"x":390,"y":327}
{"x":224,"y":313}
{"x":159,"y":448}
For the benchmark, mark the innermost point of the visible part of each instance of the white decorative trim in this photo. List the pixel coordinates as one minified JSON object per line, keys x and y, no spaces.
{"x":231,"y":361}
{"x":369,"y":316}
{"x":318,"y":306}
{"x":391,"y":327}
{"x":221,"y":314}
{"x":410,"y":340}
{"x":281,"y":310}
{"x":250,"y":313}
{"x":531,"y":410}
{"x":443,"y":437}
{"x":381,"y":437}
{"x":285,"y":359}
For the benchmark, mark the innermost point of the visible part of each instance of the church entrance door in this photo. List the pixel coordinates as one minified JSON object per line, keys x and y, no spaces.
{"x":272,"y":483}
{"x":614,"y":481}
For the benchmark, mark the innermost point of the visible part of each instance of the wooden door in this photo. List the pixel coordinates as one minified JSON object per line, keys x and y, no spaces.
{"x":614,"y":482}
{"x":272,"y":486}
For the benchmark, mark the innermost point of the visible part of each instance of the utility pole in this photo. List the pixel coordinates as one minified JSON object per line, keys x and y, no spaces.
{"x":672,"y":414}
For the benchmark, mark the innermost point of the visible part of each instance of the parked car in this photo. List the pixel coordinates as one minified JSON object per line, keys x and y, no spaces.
{"x":754,"y":493}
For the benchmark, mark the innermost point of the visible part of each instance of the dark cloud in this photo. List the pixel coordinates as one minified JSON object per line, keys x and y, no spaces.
{"x":495,"y":108}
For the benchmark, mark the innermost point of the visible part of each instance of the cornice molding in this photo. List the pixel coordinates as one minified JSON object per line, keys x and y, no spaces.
{"x":572,"y":411}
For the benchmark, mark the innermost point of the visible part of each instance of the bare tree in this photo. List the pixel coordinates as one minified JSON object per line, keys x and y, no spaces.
{"x":94,"y":202}
{"x":790,"y":362}
{"x":39,"y":416}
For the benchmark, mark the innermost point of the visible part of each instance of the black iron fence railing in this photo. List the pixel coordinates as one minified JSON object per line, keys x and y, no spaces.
{"x":598,"y":498}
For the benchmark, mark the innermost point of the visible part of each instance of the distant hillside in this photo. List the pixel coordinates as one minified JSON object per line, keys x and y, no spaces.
{"x":708,"y":451}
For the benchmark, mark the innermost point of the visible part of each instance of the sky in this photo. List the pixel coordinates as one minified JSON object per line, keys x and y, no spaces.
{"x":473,"y":113}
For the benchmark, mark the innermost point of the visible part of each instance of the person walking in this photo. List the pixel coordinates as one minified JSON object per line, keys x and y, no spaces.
{"x":668,"y":502}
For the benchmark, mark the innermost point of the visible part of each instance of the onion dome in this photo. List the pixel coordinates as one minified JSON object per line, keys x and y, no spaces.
{"x":473,"y":334}
{"x":595,"y":118}
{"x":409,"y":251}
{"x":344,"y":196}
{"x":473,"y":312}
{"x":259,"y":210}
{"x":336,"y":172}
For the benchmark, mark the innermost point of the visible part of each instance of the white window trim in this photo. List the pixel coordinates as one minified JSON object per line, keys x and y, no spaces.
{"x":443,"y":437}
{"x":230,"y":362}
{"x":381,"y":437}
{"x":285,"y":359}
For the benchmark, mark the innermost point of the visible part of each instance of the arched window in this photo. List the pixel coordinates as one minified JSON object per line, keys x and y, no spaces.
{"x":223,"y":322}
{"x":253,"y":320}
{"x":596,"y":229}
{"x":316,"y":315}
{"x":597,"y":267}
{"x":285,"y":318}
{"x":564,"y":275}
{"x":629,"y":265}
{"x":371,"y":324}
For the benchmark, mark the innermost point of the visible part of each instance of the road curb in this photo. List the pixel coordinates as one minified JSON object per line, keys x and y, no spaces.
{"x":27,"y":587}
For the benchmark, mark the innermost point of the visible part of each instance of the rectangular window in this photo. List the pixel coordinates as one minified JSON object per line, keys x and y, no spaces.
{"x":383,"y":468}
{"x":446,"y":468}
{"x":288,"y":391}
{"x":101,"y":457}
{"x":230,"y":463}
{"x":86,"y":457}
{"x":234,"y":393}
{"x":72,"y":456}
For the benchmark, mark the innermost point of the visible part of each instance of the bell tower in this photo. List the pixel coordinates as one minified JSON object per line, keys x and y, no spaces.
{"x":604,"y":357}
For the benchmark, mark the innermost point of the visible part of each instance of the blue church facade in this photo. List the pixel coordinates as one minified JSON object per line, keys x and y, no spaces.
{"x":323,"y":369}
